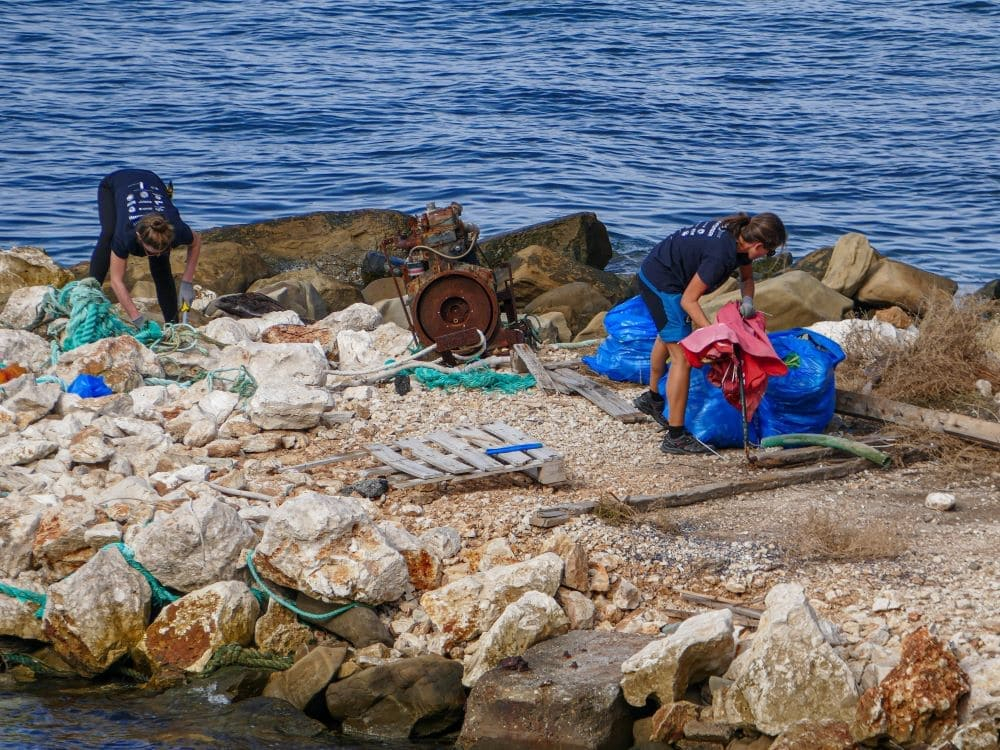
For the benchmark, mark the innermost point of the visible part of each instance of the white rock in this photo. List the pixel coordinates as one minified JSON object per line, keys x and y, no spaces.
{"x":16,"y":450}
{"x":359,"y":393}
{"x":24,"y":309}
{"x":940,"y":501}
{"x":288,"y":407}
{"x":29,"y":399}
{"x":356,"y":317}
{"x":26,"y":349}
{"x":17,"y":617}
{"x":19,"y":519}
{"x":533,"y":618}
{"x":218,"y":405}
{"x":103,"y":533}
{"x":146,"y":398}
{"x":984,"y":387}
{"x":443,"y":541}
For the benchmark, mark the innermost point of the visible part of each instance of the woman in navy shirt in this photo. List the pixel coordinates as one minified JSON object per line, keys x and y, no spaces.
{"x":139,"y":218}
{"x":674,"y":276}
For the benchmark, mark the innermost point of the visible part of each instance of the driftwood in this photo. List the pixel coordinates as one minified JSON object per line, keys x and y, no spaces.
{"x":715,"y":602}
{"x":556,"y":515}
{"x":790,"y":456}
{"x":524,"y":359}
{"x":886,"y":410}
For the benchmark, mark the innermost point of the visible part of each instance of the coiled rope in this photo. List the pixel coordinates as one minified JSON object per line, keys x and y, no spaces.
{"x":90,"y":317}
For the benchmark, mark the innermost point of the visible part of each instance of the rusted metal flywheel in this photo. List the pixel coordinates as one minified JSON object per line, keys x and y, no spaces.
{"x":453,"y":306}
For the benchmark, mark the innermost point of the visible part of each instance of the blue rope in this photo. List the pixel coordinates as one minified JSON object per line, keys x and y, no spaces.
{"x":287,"y":604}
{"x":25,"y":596}
{"x":161,"y":596}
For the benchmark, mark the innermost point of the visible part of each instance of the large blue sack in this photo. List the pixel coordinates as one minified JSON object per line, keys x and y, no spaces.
{"x":712,"y":419}
{"x":624,"y":354}
{"x":805,"y":398}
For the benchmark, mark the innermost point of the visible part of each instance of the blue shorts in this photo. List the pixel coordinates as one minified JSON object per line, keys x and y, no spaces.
{"x":672,"y":323}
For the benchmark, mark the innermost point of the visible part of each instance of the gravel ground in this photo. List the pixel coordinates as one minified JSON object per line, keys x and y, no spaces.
{"x":914,"y":566}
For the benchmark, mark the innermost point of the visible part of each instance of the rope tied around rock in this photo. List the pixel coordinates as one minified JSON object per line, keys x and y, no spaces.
{"x":318,"y":616}
{"x":234,"y":653}
{"x":24,"y":595}
{"x":161,"y":596}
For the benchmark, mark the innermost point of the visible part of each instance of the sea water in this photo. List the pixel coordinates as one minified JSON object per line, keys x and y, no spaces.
{"x":880,"y":118}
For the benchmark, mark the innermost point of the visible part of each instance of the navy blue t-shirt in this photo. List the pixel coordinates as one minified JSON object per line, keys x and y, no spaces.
{"x":137,"y":192}
{"x":706,"y":249}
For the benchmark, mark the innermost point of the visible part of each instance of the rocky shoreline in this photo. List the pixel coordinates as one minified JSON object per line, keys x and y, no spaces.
{"x":138,"y":530}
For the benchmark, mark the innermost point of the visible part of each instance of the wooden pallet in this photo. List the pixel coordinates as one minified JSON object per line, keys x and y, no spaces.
{"x":458,"y":455}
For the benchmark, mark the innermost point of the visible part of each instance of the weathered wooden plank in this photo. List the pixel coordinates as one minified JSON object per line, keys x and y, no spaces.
{"x":466,"y":477}
{"x":434,"y":457}
{"x":534,"y":365}
{"x":715,"y":602}
{"x":464,"y":451}
{"x":390,"y":457}
{"x":790,"y":456}
{"x":886,"y":410}
{"x":513,"y":436}
{"x":787,"y":478}
{"x":602,"y":397}
{"x":683,"y":614}
{"x":484,"y":439}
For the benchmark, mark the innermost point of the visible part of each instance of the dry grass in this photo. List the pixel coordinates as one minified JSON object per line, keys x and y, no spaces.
{"x":614,"y":512}
{"x":826,"y":535}
{"x":940,"y":368}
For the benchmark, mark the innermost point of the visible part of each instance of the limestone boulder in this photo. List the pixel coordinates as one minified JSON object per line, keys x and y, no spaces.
{"x":360,"y":626}
{"x":469,"y":606}
{"x":849,"y":265}
{"x":533,"y":618}
{"x":443,"y":541}
{"x":292,"y":334}
{"x":224,"y":267}
{"x":984,"y":684}
{"x":789,"y":673}
{"x":701,"y":646}
{"x":90,"y":446}
{"x":288,"y":407}
{"x":594,"y":329}
{"x":29,"y":266}
{"x":581,"y":236}
{"x":187,"y":631}
{"x":25,"y":348}
{"x":307,"y":677}
{"x":278,"y":631}
{"x":578,"y":608}
{"x":918,"y":701}
{"x":410,"y":698}
{"x":892,"y":282}
{"x":576,"y":562}
{"x":364,"y":350}
{"x":121,"y":361}
{"x":96,"y":615}
{"x":24,"y":308}
{"x":17,"y":450}
{"x":19,"y":520}
{"x":298,"y":295}
{"x":551,"y":327}
{"x":336,"y":294}
{"x":791,"y":300}
{"x":329,"y":548}
{"x":423,"y":564}
{"x":200,"y":542}
{"x":17,"y":617}
{"x":578,"y":301}
{"x":30,"y":400}
{"x":816,"y":735}
{"x":60,"y":542}
{"x":277,"y":364}
{"x":537,"y":269}
{"x":331,"y":242}
{"x":563,"y":693}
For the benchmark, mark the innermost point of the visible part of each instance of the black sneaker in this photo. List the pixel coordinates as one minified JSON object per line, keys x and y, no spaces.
{"x":686,"y":443}
{"x":653,"y":405}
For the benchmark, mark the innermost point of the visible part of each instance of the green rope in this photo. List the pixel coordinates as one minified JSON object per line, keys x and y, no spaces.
{"x":90,"y":316}
{"x":234,"y":653}
{"x":161,"y":596}
{"x":792,"y":360}
{"x":52,"y":379}
{"x":25,"y":596}
{"x":287,"y":604}
{"x":481,"y":378}
{"x":243,"y":384}
{"x":36,"y":666}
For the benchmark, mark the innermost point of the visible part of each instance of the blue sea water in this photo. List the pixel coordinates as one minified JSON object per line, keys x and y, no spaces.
{"x":840,"y":116}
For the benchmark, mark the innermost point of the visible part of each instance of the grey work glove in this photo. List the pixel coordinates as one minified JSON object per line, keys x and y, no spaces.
{"x":187,"y":292}
{"x":139,"y":321}
{"x":746,"y":307}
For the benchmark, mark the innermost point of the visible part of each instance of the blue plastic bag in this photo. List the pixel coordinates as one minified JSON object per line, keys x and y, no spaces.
{"x":624,"y":354}
{"x":712,"y":419}
{"x":89,"y":386}
{"x":805,"y":398}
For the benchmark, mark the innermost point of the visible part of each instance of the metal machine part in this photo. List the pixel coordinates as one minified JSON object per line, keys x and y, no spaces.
{"x":454,"y":303}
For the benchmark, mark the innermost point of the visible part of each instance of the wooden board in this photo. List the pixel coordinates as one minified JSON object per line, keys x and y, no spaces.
{"x":534,"y":365}
{"x":876,"y":407}
{"x":604,"y":398}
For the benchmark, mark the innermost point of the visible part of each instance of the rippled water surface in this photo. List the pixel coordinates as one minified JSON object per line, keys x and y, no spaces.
{"x":840,"y":116}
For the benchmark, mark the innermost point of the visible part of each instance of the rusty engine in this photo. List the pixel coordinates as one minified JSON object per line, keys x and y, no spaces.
{"x":455,"y":303}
